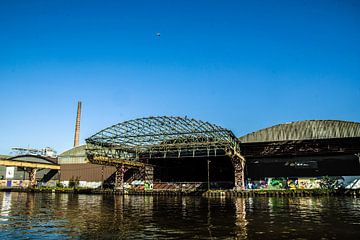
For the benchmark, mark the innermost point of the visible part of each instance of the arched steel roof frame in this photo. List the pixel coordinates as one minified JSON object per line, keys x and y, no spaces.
{"x":161,"y":137}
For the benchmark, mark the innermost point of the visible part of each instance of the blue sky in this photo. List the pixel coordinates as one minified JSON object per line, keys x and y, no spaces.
{"x":244,"y":65}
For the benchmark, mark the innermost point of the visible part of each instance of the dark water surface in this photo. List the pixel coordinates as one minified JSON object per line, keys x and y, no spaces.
{"x":63,"y":216}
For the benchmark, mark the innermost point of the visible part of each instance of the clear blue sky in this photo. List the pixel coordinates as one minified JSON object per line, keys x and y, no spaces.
{"x":244,"y":65}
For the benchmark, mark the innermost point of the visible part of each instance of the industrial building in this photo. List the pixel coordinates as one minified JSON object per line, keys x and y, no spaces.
{"x":305,"y":148}
{"x":188,"y":152}
{"x":75,"y":165}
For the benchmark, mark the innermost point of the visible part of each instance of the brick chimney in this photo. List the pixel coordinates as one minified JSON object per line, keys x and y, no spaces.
{"x":77,"y":126}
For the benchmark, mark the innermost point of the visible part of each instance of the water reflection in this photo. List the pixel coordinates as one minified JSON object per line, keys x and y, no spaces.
{"x":145,"y":217}
{"x":5,"y":206}
{"x":241,"y":222}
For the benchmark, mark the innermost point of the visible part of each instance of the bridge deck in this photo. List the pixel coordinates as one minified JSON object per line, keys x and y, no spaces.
{"x":11,"y":163}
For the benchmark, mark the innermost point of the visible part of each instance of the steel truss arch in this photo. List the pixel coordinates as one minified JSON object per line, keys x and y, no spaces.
{"x":135,"y":141}
{"x":158,"y":136}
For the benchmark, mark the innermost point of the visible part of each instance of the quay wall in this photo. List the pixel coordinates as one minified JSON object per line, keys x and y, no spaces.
{"x":208,"y":194}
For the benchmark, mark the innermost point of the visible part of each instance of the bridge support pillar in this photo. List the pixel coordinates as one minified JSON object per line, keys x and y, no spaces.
{"x":32,"y":177}
{"x":148,"y":177}
{"x":119,"y":178}
{"x":239,"y":172}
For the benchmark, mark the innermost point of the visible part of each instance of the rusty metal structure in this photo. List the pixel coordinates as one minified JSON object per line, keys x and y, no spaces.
{"x":132,"y":144}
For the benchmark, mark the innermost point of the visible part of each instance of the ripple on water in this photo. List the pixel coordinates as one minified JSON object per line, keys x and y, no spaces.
{"x":62,"y":216}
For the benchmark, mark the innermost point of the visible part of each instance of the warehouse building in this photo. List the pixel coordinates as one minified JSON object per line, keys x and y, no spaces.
{"x":185,"y":150}
{"x":75,"y":166}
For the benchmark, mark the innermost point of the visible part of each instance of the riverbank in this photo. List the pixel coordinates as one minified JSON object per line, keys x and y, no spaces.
{"x":211,"y":193}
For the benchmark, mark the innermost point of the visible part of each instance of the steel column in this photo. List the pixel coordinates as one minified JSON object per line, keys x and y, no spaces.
{"x":119,"y":177}
{"x":148,"y":176}
{"x":239,"y":172}
{"x":32,"y":176}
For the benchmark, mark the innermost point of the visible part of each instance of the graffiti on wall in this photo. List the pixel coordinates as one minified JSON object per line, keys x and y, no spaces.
{"x":283,"y":183}
{"x":277,"y":183}
{"x":308,"y":183}
{"x":257,"y":184}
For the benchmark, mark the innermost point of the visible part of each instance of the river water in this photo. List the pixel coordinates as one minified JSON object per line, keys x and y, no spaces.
{"x":67,"y":216}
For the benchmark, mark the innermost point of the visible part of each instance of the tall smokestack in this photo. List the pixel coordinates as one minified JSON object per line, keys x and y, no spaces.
{"x":77,"y":125}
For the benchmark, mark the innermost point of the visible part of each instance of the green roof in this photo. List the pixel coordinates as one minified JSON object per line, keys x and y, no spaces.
{"x":75,"y":151}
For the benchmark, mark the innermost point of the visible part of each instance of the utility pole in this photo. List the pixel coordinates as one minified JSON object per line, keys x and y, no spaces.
{"x":208,"y":174}
{"x":102,"y":177}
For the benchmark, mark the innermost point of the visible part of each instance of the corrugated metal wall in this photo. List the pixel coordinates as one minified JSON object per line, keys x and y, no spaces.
{"x":74,"y":164}
{"x":85,"y":172}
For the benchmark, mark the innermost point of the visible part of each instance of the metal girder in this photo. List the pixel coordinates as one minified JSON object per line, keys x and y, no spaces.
{"x":114,"y":161}
{"x":11,"y":163}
